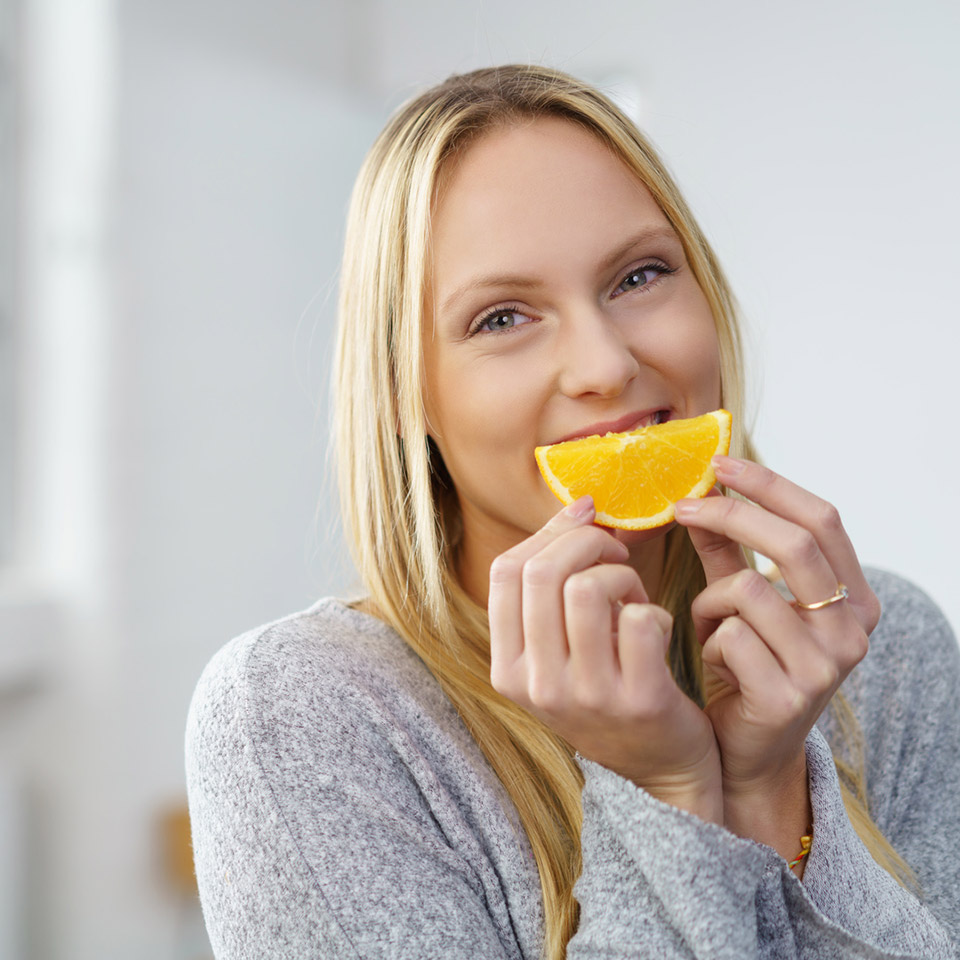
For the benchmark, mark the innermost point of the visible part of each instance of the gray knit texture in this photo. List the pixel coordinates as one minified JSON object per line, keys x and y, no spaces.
{"x":341,"y":809}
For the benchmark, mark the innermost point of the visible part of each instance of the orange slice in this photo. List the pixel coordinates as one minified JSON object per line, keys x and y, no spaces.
{"x":636,"y":478}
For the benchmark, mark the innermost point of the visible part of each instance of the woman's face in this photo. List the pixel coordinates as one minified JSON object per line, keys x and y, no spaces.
{"x":561,"y":305}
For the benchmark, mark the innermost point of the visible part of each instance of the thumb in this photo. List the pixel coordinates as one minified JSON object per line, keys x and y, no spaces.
{"x":719,"y":555}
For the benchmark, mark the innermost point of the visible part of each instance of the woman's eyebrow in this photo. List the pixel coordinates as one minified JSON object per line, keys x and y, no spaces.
{"x":490,"y":280}
{"x":652,"y":234}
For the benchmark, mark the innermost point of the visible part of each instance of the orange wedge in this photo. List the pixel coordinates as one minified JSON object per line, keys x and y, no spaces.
{"x":636,"y":478}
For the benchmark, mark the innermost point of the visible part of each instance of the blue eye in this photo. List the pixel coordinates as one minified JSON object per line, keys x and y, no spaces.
{"x":503,"y":318}
{"x":642,"y":276}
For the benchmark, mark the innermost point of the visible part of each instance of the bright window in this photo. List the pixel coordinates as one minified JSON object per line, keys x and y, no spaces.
{"x":8,"y":235}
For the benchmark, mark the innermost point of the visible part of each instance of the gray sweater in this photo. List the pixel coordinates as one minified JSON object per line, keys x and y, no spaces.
{"x":341,"y":809}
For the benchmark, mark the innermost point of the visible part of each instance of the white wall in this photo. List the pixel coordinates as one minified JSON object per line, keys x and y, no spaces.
{"x":819,"y":146}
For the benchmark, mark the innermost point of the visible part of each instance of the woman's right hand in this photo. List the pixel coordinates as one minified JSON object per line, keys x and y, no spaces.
{"x":563,"y":647}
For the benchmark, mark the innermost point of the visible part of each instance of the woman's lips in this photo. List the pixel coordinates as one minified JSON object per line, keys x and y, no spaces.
{"x":629,"y":421}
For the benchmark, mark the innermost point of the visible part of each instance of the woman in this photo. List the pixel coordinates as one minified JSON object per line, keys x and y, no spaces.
{"x":537,"y":736}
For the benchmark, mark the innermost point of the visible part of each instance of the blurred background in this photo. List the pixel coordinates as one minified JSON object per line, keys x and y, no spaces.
{"x":173,"y":182}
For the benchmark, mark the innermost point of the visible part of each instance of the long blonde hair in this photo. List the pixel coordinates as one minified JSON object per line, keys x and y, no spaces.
{"x":400,"y":511}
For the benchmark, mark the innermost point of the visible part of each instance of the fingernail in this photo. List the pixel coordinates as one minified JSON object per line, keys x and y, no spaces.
{"x":728,"y":466}
{"x":687,"y":508}
{"x":581,"y":508}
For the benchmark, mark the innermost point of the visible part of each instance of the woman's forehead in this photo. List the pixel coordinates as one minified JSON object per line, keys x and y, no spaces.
{"x":525,"y":195}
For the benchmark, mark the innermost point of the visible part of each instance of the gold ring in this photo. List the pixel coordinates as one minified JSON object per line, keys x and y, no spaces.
{"x":841,"y":594}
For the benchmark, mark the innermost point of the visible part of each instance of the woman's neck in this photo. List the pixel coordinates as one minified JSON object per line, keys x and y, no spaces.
{"x":475,"y":554}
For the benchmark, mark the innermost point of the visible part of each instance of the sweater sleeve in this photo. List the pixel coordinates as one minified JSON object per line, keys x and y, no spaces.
{"x":658,"y":882}
{"x":683,"y":888}
{"x":906,"y":697}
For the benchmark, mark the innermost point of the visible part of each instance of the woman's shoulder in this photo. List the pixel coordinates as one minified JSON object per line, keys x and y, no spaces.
{"x":316,"y":661}
{"x":335,"y":689}
{"x":902,"y":600}
{"x":329,"y":646}
{"x":912,"y":640}
{"x":906,"y":688}
{"x":330,"y":779}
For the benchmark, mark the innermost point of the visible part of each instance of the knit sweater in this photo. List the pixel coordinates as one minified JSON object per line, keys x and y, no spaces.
{"x":341,"y":809}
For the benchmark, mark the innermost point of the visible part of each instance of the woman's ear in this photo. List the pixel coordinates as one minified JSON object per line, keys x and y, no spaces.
{"x":437,"y":467}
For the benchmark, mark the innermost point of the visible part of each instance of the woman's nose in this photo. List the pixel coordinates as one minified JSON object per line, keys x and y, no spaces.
{"x":594,"y":356}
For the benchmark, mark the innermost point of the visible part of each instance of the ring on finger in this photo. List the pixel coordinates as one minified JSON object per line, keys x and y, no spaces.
{"x":841,"y":594}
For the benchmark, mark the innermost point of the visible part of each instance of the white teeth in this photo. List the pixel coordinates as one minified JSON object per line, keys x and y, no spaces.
{"x":660,"y":416}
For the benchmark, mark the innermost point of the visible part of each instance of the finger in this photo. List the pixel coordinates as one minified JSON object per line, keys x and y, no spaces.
{"x":505,"y":596}
{"x":719,"y":555}
{"x":793,"y":548}
{"x":580,"y":513}
{"x":737,"y":654}
{"x":787,"y":500}
{"x":542,"y":614}
{"x":588,"y":597}
{"x":815,"y":658}
{"x":750,"y":598}
{"x":644,"y":637}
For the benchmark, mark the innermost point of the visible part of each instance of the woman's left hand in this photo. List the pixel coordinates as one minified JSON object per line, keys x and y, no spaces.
{"x":771,"y":667}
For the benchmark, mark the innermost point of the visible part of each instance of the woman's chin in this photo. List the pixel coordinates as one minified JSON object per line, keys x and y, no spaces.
{"x":632,"y":538}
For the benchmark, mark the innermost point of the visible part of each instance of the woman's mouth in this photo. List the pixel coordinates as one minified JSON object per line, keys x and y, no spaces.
{"x":624,"y":424}
{"x":661,"y":416}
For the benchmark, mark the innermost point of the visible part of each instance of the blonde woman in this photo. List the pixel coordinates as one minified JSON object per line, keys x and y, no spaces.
{"x":534,"y":736}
